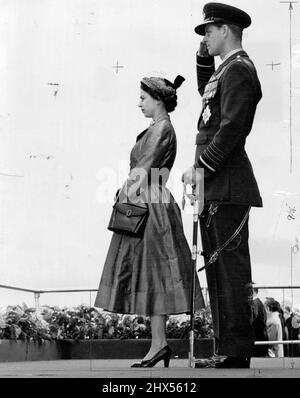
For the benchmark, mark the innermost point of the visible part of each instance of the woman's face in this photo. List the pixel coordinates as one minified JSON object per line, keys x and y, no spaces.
{"x":147,"y":104}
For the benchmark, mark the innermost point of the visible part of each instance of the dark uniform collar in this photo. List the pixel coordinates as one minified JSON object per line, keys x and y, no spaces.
{"x":241,"y":53}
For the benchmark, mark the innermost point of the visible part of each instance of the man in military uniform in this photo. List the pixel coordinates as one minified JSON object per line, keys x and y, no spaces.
{"x":230,"y":95}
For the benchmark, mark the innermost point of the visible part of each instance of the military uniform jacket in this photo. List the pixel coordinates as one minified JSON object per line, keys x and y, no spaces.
{"x":230,"y":96}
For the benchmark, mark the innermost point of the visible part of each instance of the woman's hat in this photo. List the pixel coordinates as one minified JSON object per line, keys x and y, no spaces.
{"x":223,"y":13}
{"x":163,"y":86}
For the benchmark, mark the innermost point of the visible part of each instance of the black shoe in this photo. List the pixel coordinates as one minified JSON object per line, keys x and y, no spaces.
{"x":163,"y":354}
{"x":233,"y":363}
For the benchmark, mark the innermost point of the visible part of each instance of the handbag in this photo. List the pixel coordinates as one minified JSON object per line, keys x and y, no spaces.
{"x":129,"y":218}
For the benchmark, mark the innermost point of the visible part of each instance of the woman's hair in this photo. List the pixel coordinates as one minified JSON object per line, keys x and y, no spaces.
{"x":275,"y":306}
{"x":272,"y":304}
{"x":162,"y":89}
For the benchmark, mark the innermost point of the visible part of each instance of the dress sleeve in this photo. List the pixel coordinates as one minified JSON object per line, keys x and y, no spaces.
{"x":153,"y":151}
{"x":154,"y":148}
{"x":273,"y":331}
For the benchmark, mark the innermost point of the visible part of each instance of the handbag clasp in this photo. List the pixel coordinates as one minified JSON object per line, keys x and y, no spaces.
{"x":128,"y":213}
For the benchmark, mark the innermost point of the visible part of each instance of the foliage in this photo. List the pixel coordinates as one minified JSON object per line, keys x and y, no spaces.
{"x":84,"y":322}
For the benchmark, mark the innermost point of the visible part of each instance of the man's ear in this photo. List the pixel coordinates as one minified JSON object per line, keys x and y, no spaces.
{"x":225,"y":30}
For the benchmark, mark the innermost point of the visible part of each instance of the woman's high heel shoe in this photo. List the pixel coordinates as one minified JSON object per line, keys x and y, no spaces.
{"x":163,"y":354}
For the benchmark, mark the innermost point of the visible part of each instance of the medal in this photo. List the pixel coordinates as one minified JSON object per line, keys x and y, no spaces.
{"x":206,"y":114}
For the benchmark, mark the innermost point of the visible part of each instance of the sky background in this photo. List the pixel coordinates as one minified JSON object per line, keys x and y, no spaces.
{"x":68,"y":121}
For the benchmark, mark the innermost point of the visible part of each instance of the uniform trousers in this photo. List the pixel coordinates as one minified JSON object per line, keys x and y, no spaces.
{"x":229,"y":279}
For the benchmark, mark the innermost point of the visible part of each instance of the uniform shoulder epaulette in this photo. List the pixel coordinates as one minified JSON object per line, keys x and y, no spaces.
{"x":245,"y":60}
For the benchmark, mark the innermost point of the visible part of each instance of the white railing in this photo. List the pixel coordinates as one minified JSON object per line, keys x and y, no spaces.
{"x":37,"y":293}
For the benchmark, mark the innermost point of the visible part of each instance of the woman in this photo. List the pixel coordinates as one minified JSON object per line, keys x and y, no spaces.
{"x":152,"y":275}
{"x":274,"y":327}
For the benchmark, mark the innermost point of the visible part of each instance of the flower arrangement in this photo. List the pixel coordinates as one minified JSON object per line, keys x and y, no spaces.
{"x":85,"y":322}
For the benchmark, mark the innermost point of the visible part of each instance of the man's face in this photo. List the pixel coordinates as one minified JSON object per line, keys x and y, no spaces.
{"x":214,"y":39}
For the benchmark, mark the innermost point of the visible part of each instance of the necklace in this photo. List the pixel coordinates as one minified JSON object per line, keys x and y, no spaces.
{"x":162,"y":117}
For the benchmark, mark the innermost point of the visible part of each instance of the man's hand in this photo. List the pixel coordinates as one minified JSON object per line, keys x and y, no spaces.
{"x":192,"y":176}
{"x":203,"y":52}
{"x":189,"y":176}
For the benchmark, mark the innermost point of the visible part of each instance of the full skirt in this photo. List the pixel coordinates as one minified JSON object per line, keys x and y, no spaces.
{"x":150,"y":275}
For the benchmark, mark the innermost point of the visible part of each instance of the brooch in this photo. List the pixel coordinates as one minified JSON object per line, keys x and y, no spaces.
{"x":206,"y":114}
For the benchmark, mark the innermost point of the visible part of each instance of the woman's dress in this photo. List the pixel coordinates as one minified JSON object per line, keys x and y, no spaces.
{"x":151,"y":275}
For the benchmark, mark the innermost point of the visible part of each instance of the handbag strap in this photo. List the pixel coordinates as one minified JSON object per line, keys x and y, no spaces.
{"x":119,"y":192}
